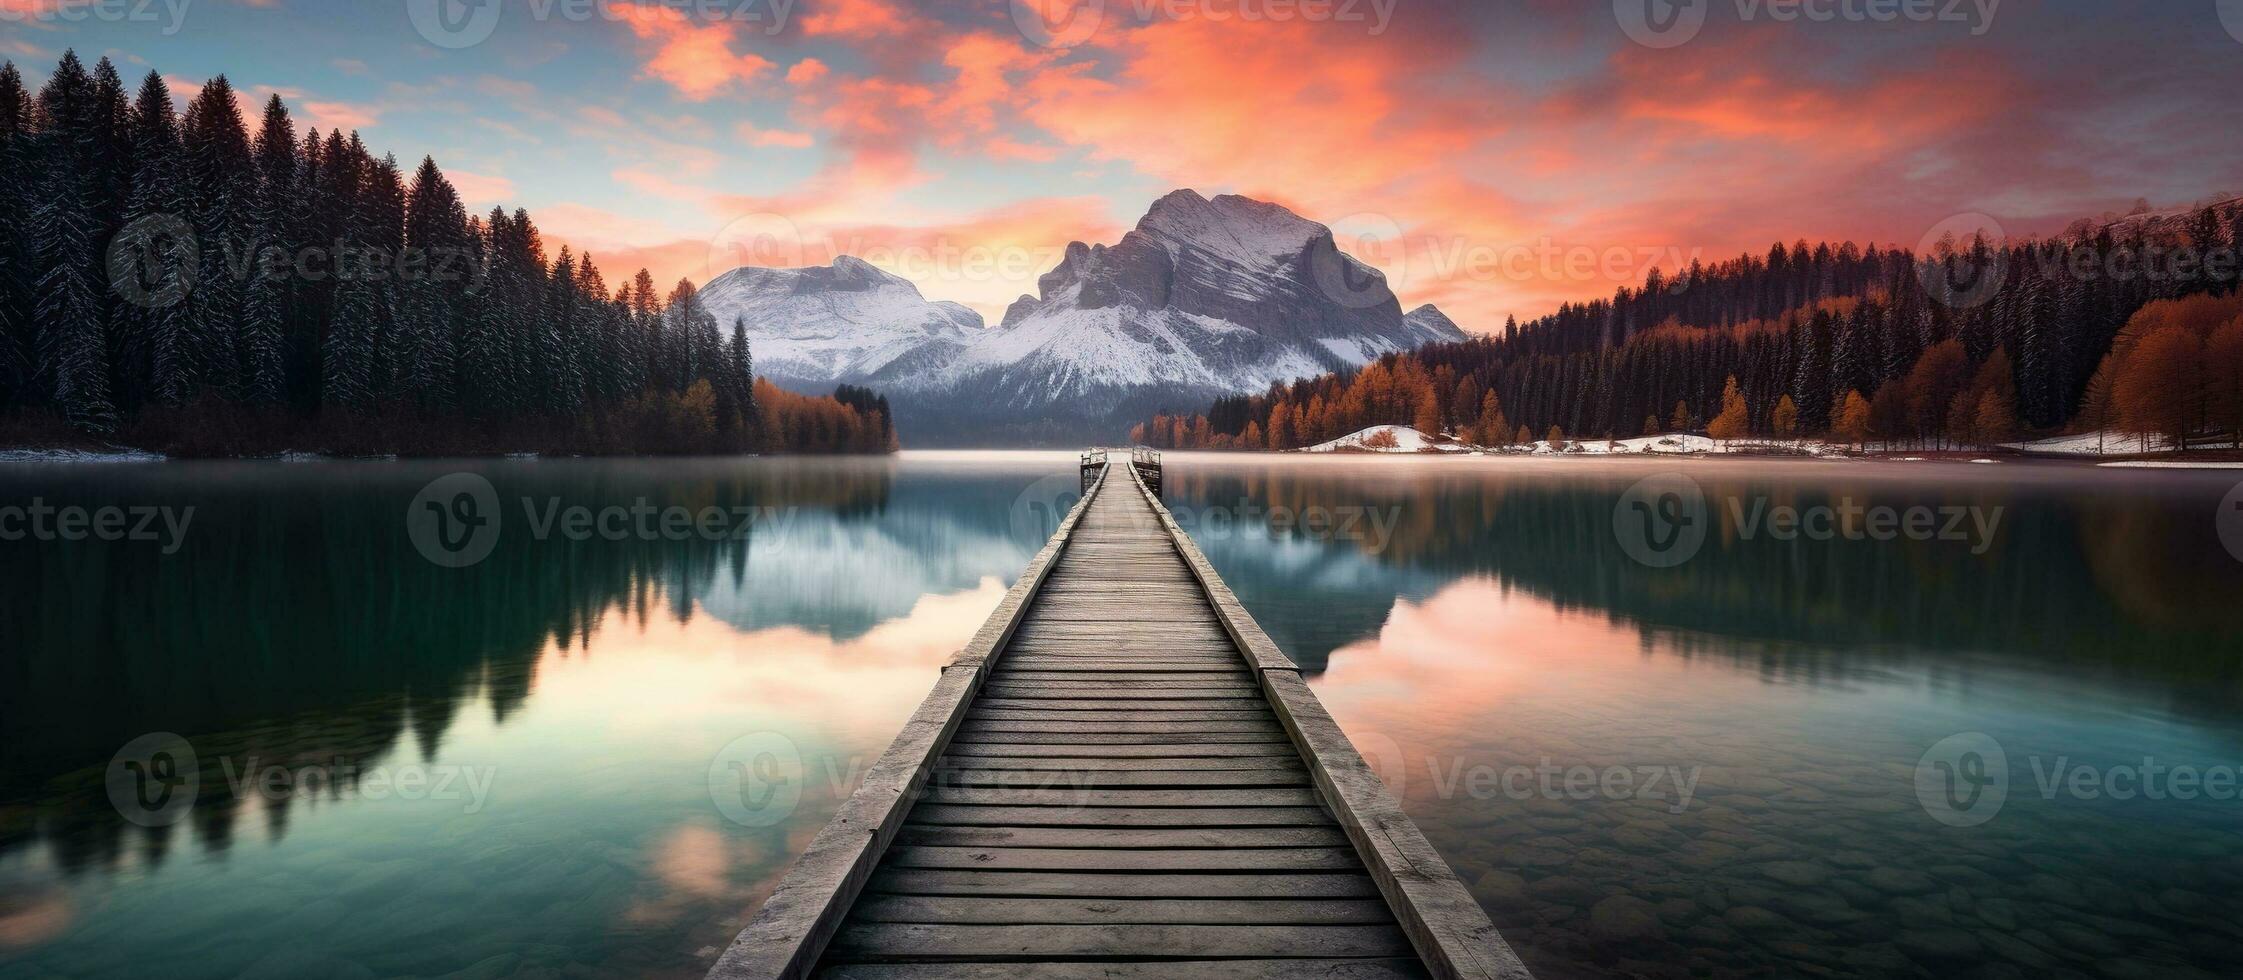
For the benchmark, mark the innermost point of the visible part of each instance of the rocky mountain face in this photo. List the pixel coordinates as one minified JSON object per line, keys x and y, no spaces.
{"x":1203,"y":298}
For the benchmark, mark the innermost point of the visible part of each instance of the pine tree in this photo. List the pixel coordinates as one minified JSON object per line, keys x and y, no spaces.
{"x":265,"y":293}
{"x":742,"y":361}
{"x":436,"y":237}
{"x":216,"y":151}
{"x":156,"y":261}
{"x":16,"y":155}
{"x":69,"y":309}
{"x":347,"y":358}
{"x":1811,"y":377}
{"x":71,"y":352}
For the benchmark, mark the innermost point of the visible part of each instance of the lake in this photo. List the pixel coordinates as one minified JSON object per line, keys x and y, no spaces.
{"x":575,"y":718}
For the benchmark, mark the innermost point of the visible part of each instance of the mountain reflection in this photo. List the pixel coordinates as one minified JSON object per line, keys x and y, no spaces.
{"x":299,"y":625}
{"x":2071,"y":572}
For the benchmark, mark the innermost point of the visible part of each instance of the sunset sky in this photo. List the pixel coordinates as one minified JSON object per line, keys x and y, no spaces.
{"x":1494,"y":158}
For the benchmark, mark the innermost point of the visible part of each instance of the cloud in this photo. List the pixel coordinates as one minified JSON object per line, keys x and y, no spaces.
{"x":694,"y":56}
{"x":755,"y":136}
{"x":481,"y":192}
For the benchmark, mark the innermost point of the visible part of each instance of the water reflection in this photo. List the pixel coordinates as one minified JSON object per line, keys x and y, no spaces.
{"x":594,"y":681}
{"x":1501,"y":630}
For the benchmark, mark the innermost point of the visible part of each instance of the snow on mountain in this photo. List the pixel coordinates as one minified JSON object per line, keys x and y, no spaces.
{"x":1203,"y":298}
{"x":1428,"y":325}
{"x":815,"y":327}
{"x":1223,"y":295}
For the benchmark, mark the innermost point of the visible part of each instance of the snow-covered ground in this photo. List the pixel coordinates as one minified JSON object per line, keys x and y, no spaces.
{"x":1674,"y":445}
{"x":1410,"y":440}
{"x":2093,"y":444}
{"x":1406,"y":440}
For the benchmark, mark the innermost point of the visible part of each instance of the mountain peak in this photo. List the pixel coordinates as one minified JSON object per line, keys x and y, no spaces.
{"x":847,"y":273}
{"x":1427,"y":324}
{"x":1236,"y":228}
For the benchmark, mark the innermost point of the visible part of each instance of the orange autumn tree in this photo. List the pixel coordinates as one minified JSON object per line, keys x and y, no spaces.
{"x":1852,"y":422}
{"x":2159,"y":391}
{"x":1733,"y":422}
{"x":2223,"y":380}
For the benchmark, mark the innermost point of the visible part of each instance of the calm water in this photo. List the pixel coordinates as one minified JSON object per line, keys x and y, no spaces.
{"x":580,"y":755}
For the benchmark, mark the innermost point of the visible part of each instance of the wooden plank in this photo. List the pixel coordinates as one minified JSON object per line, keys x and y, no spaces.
{"x":1056,"y":691}
{"x":1020,"y":751}
{"x":1124,"y":716}
{"x":1173,"y":838}
{"x":1098,"y":798}
{"x":1108,"y":779}
{"x":1088,"y":705}
{"x":882,"y":939}
{"x":1149,"y":911}
{"x":1122,"y":738}
{"x":1111,"y":764}
{"x":1106,"y":664}
{"x":1241,"y":727}
{"x":1108,"y":860}
{"x":1046,"y":816}
{"x":1349,"y":969}
{"x":1046,"y":885}
{"x":1124,"y":678}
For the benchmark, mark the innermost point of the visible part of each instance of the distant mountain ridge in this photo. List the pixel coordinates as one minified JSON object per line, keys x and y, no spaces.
{"x":1204,"y":298}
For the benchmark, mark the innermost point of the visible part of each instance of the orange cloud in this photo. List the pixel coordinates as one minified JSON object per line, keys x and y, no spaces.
{"x":856,"y":18}
{"x":754,"y":135}
{"x":806,"y":72}
{"x":694,"y":57}
{"x":481,"y":191}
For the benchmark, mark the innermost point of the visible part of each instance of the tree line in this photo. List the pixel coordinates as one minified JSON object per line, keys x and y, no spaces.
{"x":174,"y":280}
{"x":2132,"y":327}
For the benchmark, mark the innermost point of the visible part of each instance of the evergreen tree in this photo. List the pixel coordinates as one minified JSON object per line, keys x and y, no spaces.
{"x":216,"y":151}
{"x":16,"y":184}
{"x":264,"y":298}
{"x":154,"y":263}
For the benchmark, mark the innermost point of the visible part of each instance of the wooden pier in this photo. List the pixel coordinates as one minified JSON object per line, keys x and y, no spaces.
{"x":1120,"y":777}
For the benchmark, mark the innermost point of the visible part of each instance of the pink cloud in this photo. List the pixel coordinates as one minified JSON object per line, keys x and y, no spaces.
{"x":693,"y":56}
{"x":481,"y":191}
{"x":758,"y":137}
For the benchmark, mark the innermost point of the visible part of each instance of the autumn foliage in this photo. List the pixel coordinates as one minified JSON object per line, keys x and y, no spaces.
{"x":1859,"y":346}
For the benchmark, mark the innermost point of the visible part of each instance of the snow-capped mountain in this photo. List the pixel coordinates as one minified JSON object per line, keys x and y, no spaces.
{"x":1203,"y":298}
{"x":847,"y":323}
